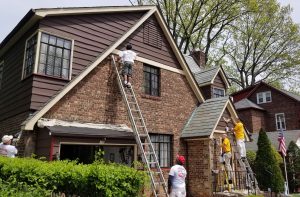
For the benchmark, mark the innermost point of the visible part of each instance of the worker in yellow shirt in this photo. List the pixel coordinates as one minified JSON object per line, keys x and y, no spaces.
{"x":240,"y":138}
{"x":226,"y":153}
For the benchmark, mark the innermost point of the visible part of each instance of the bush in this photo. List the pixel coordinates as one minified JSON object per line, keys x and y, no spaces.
{"x":71,"y":178}
{"x":251,"y":157}
{"x":268,"y":172}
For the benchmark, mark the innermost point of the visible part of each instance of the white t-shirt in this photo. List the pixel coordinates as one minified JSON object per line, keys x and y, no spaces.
{"x":127,"y":56}
{"x":179,"y":173}
{"x":8,"y":150}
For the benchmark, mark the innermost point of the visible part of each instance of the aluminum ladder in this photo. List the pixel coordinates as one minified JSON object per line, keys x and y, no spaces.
{"x":142,"y":137}
{"x":244,"y":165}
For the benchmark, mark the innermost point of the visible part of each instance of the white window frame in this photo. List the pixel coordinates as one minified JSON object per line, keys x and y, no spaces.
{"x":283,"y":120}
{"x":216,"y":88}
{"x":37,"y":55}
{"x":264,"y":97}
{"x":1,"y":72}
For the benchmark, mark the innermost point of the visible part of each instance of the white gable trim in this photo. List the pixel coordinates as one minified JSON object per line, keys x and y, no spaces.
{"x":154,"y":63}
{"x":29,"y":125}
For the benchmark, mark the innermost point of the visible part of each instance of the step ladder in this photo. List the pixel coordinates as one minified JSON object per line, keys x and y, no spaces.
{"x":142,"y":137}
{"x":251,"y":181}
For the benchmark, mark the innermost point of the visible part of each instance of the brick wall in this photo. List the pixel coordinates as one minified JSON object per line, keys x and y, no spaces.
{"x":199,"y":168}
{"x":97,"y":99}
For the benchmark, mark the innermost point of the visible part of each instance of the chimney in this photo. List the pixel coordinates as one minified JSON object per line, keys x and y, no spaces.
{"x":199,"y":57}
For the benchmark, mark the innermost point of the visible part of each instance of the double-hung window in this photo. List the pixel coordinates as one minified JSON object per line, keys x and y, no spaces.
{"x":151,"y":80}
{"x":1,"y":72}
{"x":264,"y":97}
{"x":48,"y":55}
{"x":162,"y":146}
{"x":218,"y":92}
{"x":280,"y":121}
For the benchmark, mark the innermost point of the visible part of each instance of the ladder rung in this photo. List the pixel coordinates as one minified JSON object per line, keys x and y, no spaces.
{"x":146,"y":143}
{"x":143,"y":135}
{"x":149,"y":153}
{"x":135,"y":110}
{"x":152,"y":162}
{"x":159,"y":183}
{"x":155,"y":172}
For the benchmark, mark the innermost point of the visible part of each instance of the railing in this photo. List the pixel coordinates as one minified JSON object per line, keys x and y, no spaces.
{"x":241,"y":182}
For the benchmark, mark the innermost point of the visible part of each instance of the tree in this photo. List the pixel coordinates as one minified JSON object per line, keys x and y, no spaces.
{"x":293,"y":166}
{"x":268,"y":172}
{"x":197,"y":24}
{"x":262,"y":44}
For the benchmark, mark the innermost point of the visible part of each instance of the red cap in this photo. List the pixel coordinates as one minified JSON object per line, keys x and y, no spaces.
{"x":181,"y":159}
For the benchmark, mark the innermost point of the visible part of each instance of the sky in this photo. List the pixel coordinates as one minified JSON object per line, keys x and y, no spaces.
{"x":12,"y":11}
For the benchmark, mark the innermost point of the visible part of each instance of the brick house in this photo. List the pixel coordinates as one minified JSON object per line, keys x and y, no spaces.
{"x":58,"y":90}
{"x":264,"y":106}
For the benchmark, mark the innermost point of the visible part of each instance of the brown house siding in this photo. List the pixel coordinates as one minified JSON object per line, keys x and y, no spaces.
{"x":97,"y":99}
{"x":253,"y":119}
{"x":219,"y":82}
{"x":15,"y":93}
{"x":280,"y":104}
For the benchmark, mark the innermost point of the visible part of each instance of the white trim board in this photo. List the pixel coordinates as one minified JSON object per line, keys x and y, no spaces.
{"x":153,"y":63}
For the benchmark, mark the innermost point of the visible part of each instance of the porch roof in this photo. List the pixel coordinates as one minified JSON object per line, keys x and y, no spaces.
{"x":69,"y":131}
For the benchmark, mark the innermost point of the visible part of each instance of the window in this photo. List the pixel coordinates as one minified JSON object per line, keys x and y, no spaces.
{"x":151,"y":80}
{"x":53,"y":57}
{"x":264,"y":97}
{"x":280,"y":121}
{"x":30,"y":53}
{"x":162,"y":147}
{"x":218,"y":92}
{"x":1,"y":72}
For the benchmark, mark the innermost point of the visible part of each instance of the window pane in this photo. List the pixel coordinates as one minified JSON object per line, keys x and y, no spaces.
{"x":44,"y":48}
{"x":151,"y":80}
{"x":51,"y":50}
{"x":59,"y":52}
{"x":66,"y":54}
{"x":41,"y":69}
{"x":45,"y":38}
{"x":67,"y":44}
{"x":162,"y":146}
{"x":60,"y":42}
{"x":52,"y":40}
{"x":30,"y":56}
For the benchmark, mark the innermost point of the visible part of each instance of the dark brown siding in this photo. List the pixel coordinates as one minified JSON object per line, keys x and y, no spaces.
{"x":92,"y":34}
{"x":219,"y":82}
{"x":206,"y":91}
{"x":15,"y":94}
{"x":43,"y":143}
{"x":222,"y":124}
{"x":280,"y":104}
{"x":253,"y":119}
{"x":161,"y":53}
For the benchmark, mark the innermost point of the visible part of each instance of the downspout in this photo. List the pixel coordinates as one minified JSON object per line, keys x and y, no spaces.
{"x":187,"y":167}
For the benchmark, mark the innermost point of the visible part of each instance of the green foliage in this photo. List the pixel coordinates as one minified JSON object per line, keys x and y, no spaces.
{"x":251,"y":158}
{"x":71,"y":178}
{"x":268,"y":172}
{"x":293,"y":166}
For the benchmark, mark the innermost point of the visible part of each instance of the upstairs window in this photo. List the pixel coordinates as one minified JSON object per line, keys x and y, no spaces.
{"x":151,"y":80}
{"x":30,"y":55}
{"x":52,"y":59}
{"x":264,"y":97}
{"x":162,"y":147}
{"x":218,"y":92}
{"x":55,"y":55}
{"x":1,"y":72}
{"x":280,"y":121}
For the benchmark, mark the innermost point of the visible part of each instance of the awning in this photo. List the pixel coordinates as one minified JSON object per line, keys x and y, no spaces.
{"x":88,"y":132}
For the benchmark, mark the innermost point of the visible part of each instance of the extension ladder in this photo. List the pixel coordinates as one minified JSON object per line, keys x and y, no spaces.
{"x":142,"y":138}
{"x":251,"y":181}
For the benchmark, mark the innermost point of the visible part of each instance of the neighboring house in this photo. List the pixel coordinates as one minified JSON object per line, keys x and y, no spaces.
{"x":59,"y":90}
{"x":264,"y":106}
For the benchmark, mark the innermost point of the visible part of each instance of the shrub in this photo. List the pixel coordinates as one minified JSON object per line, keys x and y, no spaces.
{"x":268,"y":172}
{"x":71,"y":178}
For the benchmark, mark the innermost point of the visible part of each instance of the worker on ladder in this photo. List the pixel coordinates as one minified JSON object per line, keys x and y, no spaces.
{"x":226,"y":157}
{"x":127,"y":58}
{"x":239,"y":133}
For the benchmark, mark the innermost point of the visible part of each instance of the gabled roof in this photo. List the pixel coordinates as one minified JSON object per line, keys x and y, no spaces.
{"x":205,"y":76}
{"x":247,"y":92}
{"x":151,"y":10}
{"x":292,"y":135}
{"x":245,"y":104}
{"x":206,"y":117}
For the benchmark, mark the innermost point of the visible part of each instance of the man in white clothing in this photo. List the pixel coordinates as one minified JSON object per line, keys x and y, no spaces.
{"x":6,"y":149}
{"x":127,"y":58}
{"x":177,"y":175}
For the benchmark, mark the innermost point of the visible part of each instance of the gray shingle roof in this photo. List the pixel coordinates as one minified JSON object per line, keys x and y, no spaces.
{"x":205,"y":117}
{"x":295,"y":96}
{"x":291,"y":135}
{"x":192,"y":64}
{"x":245,"y":103}
{"x":206,"y":76}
